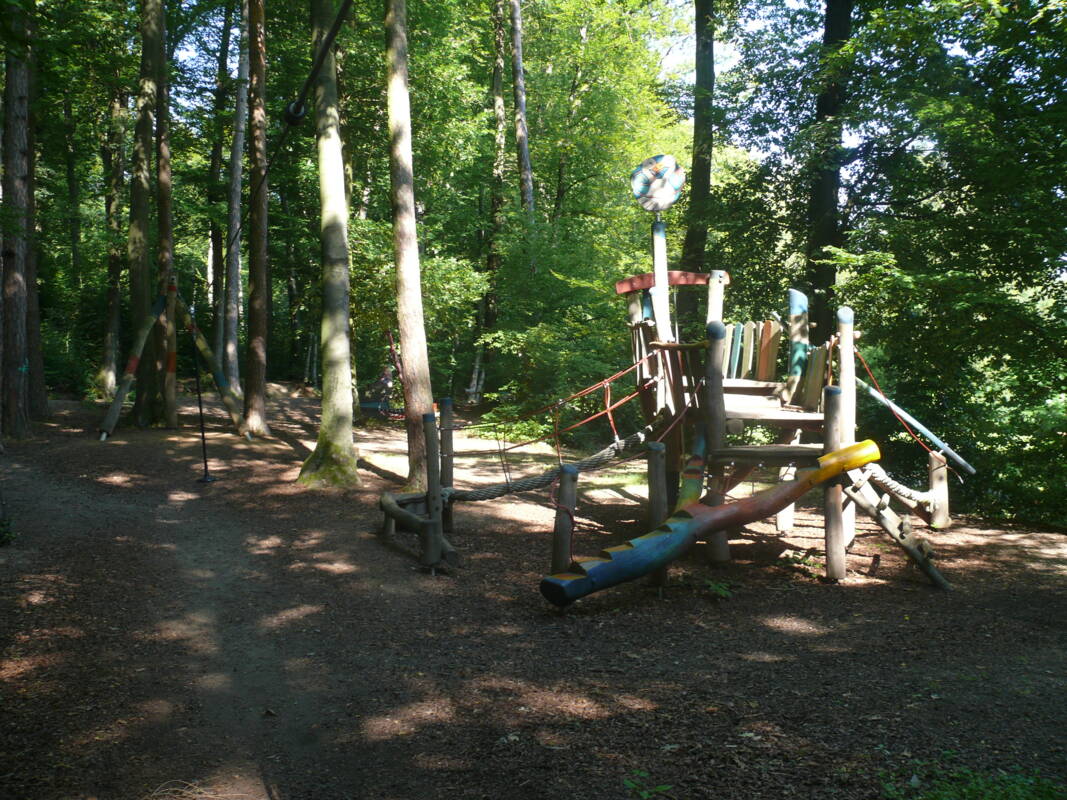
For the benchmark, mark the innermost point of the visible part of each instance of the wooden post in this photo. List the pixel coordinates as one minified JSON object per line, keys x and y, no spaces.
{"x":564,"y":529}
{"x":832,"y":492}
{"x":718,"y":541}
{"x":846,"y":354}
{"x":798,"y":342}
{"x":717,"y":280}
{"x":657,"y":498}
{"x":660,"y":292}
{"x":448,"y":457}
{"x":939,"y":514}
{"x":432,"y":533}
{"x":783,"y":520}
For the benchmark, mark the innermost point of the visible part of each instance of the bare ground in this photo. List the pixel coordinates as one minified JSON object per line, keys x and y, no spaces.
{"x":250,"y":639}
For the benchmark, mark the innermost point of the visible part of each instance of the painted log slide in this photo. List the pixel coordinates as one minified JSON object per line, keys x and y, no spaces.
{"x":690,"y":521}
{"x":111,"y":419}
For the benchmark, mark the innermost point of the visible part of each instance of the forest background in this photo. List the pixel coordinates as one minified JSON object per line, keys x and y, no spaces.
{"x":943,"y":146}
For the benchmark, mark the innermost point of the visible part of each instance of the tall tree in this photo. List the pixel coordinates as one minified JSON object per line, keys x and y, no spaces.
{"x":418,"y":396}
{"x":168,"y":342}
{"x":112,"y":157}
{"x":824,"y":228}
{"x":696,"y":231}
{"x":215,"y":190}
{"x":258,"y":268}
{"x":334,"y":458}
{"x":522,"y":134}
{"x":141,"y":283}
{"x":18,"y":209}
{"x":230,"y":359}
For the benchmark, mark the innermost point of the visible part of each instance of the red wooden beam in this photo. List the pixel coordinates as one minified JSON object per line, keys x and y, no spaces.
{"x":648,"y":280}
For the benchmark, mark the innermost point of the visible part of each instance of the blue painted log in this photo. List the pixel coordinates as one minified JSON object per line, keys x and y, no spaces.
{"x":690,"y":521}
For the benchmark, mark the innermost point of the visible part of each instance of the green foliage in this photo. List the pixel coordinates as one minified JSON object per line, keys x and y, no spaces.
{"x":720,"y":590}
{"x":7,"y":533}
{"x":639,"y":786}
{"x":928,"y":781}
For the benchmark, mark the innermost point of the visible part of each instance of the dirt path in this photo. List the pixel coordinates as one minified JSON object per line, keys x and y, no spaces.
{"x":249,"y":639}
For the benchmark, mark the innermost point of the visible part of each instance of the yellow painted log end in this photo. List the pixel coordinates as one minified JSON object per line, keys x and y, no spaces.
{"x":851,"y":457}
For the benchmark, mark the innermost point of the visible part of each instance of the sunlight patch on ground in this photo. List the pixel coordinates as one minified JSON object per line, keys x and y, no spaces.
{"x":155,"y":711}
{"x":289,"y":615}
{"x":13,"y":668}
{"x":265,"y":546}
{"x":794,"y":626}
{"x":116,"y":479}
{"x":213,"y":682}
{"x":408,"y":720}
{"x":338,"y":566}
{"x":195,"y":631}
{"x":634,"y":703}
{"x":761,"y":657}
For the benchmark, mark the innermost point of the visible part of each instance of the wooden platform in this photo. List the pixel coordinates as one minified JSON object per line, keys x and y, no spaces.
{"x":772,"y":455}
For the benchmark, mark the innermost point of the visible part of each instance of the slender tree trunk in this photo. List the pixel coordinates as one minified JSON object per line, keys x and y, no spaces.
{"x":164,"y":208}
{"x":522,"y":140}
{"x":141,"y":283}
{"x":488,"y":311}
{"x":231,"y":366}
{"x":258,"y":274}
{"x":334,"y":459}
{"x":74,"y":231}
{"x":216,"y":193}
{"x":696,"y":233}
{"x":823,"y":218}
{"x":418,"y":396}
{"x":114,"y":166}
{"x":18,"y":209}
{"x":574,"y":102}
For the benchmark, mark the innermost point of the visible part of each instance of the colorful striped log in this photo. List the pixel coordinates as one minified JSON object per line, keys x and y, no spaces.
{"x":691,"y":521}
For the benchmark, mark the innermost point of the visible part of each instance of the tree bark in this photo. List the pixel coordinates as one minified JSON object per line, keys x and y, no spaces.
{"x":696,"y":233}
{"x":215,"y":190}
{"x":73,"y":194}
{"x":114,"y":167}
{"x":141,"y":283}
{"x":168,"y":342}
{"x":334,"y":460}
{"x":488,"y":311}
{"x":418,"y":397}
{"x":230,"y":358}
{"x":18,"y":209}
{"x":258,"y":275}
{"x":522,"y":136}
{"x":823,"y":217}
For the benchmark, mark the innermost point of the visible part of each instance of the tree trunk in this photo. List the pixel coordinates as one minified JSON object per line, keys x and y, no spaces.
{"x":164,"y":209}
{"x":694,"y":257}
{"x":74,"y":231}
{"x":334,"y":460}
{"x":418,"y":396}
{"x":522,"y":142}
{"x":230,"y":358}
{"x":114,"y":166}
{"x":18,"y":209}
{"x":696,"y":233}
{"x":487,"y":317}
{"x":823,"y":222}
{"x":141,"y":283}
{"x":215,"y":191}
{"x":258,"y":275}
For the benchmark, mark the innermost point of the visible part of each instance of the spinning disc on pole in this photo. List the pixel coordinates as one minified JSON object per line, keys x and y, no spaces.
{"x":657,"y":182}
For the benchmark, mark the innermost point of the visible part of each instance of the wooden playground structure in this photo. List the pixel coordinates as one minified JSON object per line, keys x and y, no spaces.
{"x":744,"y":374}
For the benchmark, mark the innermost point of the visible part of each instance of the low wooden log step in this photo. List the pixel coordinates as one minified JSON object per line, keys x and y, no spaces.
{"x":773,"y":455}
{"x":746,"y":386}
{"x":769,"y":414}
